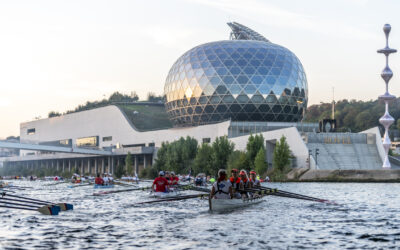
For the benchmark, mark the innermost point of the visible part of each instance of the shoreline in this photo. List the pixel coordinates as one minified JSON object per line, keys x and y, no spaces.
{"x":358,"y":176}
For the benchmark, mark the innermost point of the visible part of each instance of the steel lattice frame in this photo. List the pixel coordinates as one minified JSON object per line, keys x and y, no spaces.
{"x":241,"y":80}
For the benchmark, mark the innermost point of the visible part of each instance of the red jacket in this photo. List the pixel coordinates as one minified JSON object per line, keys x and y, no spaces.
{"x":99,"y":181}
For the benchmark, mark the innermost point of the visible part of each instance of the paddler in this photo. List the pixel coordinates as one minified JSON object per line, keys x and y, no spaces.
{"x":237,"y":184}
{"x":99,"y":180}
{"x":222,"y":188}
{"x":160,"y":183}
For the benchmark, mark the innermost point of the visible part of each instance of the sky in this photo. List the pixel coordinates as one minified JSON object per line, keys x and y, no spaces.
{"x":55,"y":55}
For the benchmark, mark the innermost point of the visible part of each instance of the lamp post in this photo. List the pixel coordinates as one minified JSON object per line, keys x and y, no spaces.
{"x":386,"y":120}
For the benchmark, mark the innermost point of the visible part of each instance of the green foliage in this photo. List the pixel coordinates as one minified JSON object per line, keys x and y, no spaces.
{"x":119,"y":171}
{"x":152,"y":97}
{"x":254,"y":144}
{"x":353,"y":115}
{"x":222,"y":149}
{"x":281,"y":156}
{"x":237,"y":160}
{"x":53,"y":114}
{"x":148,"y":173}
{"x":129,"y":164}
{"x":260,"y":163}
{"x":177,"y":156}
{"x":204,"y":161}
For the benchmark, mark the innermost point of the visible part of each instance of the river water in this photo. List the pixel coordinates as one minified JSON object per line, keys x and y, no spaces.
{"x":367,"y":217}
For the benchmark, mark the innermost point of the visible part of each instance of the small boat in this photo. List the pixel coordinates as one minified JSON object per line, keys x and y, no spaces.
{"x":103,"y":186}
{"x":229,"y":204}
{"x":164,"y":194}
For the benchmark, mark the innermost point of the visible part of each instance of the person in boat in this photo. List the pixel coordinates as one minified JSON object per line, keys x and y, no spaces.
{"x":105,"y":179}
{"x":222,"y":188}
{"x":160,"y":183}
{"x":110,"y":179}
{"x":168,"y":177}
{"x":237,"y":184}
{"x":245,"y":182}
{"x":254,"y":181}
{"x":99,"y":180}
{"x":200,"y":180}
{"x":174,"y":179}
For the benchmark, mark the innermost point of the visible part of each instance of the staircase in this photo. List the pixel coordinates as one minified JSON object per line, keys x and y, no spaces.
{"x":344,"y":151}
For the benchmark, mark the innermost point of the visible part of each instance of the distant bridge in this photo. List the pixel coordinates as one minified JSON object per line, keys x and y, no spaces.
{"x":36,"y":147}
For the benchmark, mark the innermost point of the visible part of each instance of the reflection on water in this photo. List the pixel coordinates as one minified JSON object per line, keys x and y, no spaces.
{"x":367,"y":217}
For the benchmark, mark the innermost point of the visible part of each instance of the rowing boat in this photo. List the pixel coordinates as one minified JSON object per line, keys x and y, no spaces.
{"x":164,"y":194}
{"x":229,"y":204}
{"x":103,"y":186}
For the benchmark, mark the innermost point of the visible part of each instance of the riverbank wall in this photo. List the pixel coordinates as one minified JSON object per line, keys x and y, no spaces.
{"x":316,"y":175}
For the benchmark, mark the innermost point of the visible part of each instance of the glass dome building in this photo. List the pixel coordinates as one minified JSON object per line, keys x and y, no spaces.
{"x":247,"y":78}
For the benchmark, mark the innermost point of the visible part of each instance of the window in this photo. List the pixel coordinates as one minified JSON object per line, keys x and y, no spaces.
{"x":107,"y":138}
{"x":152,"y":144}
{"x":92,"y":141}
{"x":206,"y":140}
{"x":31,"y":131}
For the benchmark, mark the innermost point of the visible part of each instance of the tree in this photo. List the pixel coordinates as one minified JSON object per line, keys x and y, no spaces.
{"x":177,"y":156}
{"x":129,"y":164}
{"x":161,"y":160}
{"x":238,"y":160}
{"x":152,"y":97}
{"x":134,"y":96}
{"x":260,"y":162}
{"x":120,"y":171}
{"x":204,"y":160}
{"x":398,"y":124}
{"x":222,"y":149}
{"x":254,"y":144}
{"x":53,"y":114}
{"x":281,"y":154}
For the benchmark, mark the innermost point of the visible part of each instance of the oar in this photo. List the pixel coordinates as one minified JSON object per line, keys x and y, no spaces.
{"x":177,"y":198}
{"x":191,"y":187}
{"x":58,"y":183}
{"x":125,"y":184}
{"x":122,"y":190}
{"x":299,"y":195}
{"x":63,"y":206}
{"x":80,"y":185}
{"x":46,"y":209}
{"x":276,"y":192}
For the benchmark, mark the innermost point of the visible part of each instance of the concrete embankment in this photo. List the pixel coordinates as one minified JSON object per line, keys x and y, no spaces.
{"x":314,"y":175}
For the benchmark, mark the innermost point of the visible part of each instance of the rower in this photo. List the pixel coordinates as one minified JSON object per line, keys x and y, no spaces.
{"x":222,"y":188}
{"x":160,"y":183}
{"x":237,"y":184}
{"x":168,"y":177}
{"x":99,"y":180}
{"x":255,"y":182}
{"x":245,"y":182}
{"x":105,"y":179}
{"x":110,"y":179}
{"x":174,"y":179}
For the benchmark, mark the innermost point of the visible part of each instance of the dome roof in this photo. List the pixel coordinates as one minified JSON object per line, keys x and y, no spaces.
{"x":241,"y":80}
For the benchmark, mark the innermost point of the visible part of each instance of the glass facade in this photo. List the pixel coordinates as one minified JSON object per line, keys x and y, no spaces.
{"x":241,"y":80}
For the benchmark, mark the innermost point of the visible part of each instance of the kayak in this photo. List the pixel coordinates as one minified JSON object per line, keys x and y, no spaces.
{"x":103,"y":186}
{"x":229,"y":204}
